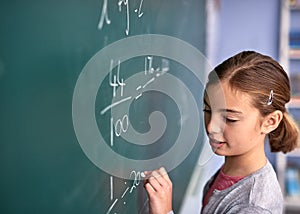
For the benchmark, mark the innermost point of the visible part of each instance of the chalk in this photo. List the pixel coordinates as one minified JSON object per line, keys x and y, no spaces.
{"x":145,"y":175}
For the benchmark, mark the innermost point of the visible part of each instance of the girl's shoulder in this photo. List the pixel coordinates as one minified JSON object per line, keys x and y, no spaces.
{"x":264,"y":185}
{"x":260,"y":190}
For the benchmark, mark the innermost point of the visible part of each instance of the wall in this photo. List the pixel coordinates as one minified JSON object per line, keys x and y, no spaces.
{"x":251,"y":24}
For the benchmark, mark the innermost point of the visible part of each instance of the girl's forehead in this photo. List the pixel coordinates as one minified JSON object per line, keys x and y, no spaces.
{"x":215,"y":96}
{"x":222,"y":96}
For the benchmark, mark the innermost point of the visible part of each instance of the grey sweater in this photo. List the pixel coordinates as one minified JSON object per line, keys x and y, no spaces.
{"x":257,"y":193}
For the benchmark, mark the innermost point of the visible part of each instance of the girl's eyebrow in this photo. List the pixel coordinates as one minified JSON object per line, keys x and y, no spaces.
{"x":225,"y":110}
{"x":231,"y":111}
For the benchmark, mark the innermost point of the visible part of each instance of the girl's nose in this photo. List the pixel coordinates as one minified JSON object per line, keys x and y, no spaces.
{"x":214,"y":126}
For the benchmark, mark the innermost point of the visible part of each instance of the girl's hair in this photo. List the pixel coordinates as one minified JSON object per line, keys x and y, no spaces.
{"x":261,"y":76}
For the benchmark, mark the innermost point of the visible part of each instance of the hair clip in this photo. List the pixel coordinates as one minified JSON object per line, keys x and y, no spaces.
{"x":271,"y":97}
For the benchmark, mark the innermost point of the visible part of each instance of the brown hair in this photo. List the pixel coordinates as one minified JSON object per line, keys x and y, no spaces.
{"x":258,"y":75}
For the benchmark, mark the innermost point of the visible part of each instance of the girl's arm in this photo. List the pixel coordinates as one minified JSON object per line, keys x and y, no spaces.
{"x":159,"y":188}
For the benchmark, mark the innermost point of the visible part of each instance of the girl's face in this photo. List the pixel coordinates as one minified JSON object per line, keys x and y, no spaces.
{"x":233,"y":125}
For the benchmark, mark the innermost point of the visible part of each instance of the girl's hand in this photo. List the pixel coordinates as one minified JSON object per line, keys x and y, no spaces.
{"x":159,"y":189}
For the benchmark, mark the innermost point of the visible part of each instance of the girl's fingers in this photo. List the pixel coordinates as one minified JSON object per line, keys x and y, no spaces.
{"x":149,"y":188}
{"x":159,"y":188}
{"x":154,"y":182}
{"x":164,"y":174}
{"x":158,"y":179}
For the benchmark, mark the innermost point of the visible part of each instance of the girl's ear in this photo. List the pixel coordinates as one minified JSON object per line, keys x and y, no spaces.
{"x":271,"y":122}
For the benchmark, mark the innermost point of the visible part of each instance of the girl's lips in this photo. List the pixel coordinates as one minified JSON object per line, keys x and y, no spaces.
{"x":216,"y":144}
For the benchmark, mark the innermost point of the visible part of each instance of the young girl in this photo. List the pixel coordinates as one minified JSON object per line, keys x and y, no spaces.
{"x":256,"y":89}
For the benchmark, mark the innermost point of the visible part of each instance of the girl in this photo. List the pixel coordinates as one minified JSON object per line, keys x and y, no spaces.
{"x":256,"y":89}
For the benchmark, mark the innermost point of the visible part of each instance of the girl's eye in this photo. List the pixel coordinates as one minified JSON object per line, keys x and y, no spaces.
{"x":207,"y":110}
{"x":228,"y":120}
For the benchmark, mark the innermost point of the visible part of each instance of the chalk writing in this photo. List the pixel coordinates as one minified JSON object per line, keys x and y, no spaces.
{"x":111,"y":188}
{"x":155,"y":72}
{"x":111,"y":131}
{"x":136,"y":176}
{"x":115,"y":104}
{"x":104,"y":13}
{"x":116,"y":82}
{"x":149,"y":69}
{"x":126,"y":3}
{"x":112,"y":206}
{"x":120,"y":125}
{"x":139,"y":11}
{"x":136,"y":180}
{"x":124,"y":193}
{"x":104,"y":16}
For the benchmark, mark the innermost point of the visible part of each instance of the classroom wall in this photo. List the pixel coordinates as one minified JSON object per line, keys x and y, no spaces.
{"x":250,"y":24}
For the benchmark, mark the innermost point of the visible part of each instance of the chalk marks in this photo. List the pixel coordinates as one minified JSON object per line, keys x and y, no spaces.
{"x":112,"y":206}
{"x":119,"y":90}
{"x":124,"y":193}
{"x":116,"y":82}
{"x":121,"y":3}
{"x":93,"y":95}
{"x":104,"y":15}
{"x":111,"y":188}
{"x":126,"y":4}
{"x":136,"y":177}
{"x":120,"y":124}
{"x":115,"y":104}
{"x":139,"y":11}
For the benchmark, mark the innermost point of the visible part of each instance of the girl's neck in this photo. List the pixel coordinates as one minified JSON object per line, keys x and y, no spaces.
{"x":244,"y":165}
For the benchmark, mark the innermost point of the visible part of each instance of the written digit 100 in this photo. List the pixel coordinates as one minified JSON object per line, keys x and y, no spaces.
{"x":118,"y":127}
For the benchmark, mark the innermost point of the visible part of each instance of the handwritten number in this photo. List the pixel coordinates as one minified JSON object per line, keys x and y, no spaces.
{"x":138,"y":11}
{"x":116,"y":82}
{"x":104,"y":16}
{"x":112,"y":83}
{"x":136,"y":180}
{"x":121,"y":126}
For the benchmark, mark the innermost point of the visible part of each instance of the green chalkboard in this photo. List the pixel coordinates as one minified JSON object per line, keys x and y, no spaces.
{"x":49,"y":51}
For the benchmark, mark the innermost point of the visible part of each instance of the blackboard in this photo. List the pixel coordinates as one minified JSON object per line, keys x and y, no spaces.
{"x":45,"y":48}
